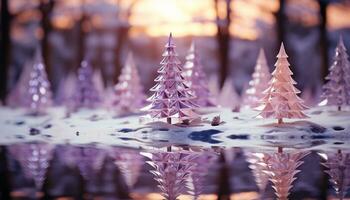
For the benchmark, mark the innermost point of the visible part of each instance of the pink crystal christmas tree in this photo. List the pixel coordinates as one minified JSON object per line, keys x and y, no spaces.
{"x":259,"y":83}
{"x":34,"y":159}
{"x":86,"y":94}
{"x":196,"y":78}
{"x":338,"y":165}
{"x":39,"y":92}
{"x":281,"y":169}
{"x":129,"y":162}
{"x":129,"y":95}
{"x":336,"y":91}
{"x":281,"y":99}
{"x":172,"y":98}
{"x":171,"y":171}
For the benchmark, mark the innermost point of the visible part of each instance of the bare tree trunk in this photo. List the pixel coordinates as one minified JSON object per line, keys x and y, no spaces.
{"x":168,"y":148}
{"x":5,"y":47}
{"x":224,"y":189}
{"x":280,"y":121}
{"x":223,"y":39}
{"x":4,"y":174}
{"x":323,"y":38}
{"x":82,"y":34}
{"x":280,"y":149}
{"x":122,"y":39}
{"x":168,"y":120}
{"x":280,"y":22}
{"x":46,"y":7}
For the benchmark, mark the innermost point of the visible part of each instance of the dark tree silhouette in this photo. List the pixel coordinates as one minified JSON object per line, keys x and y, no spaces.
{"x":82,"y":32}
{"x":5,"y":50}
{"x":46,"y":7}
{"x":223,"y":37}
{"x":224,"y":185}
{"x":4,"y":173}
{"x":280,"y":22}
{"x":324,"y":44}
{"x":122,"y":35}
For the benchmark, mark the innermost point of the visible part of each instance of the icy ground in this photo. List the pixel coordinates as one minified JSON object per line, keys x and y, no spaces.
{"x":325,"y":129}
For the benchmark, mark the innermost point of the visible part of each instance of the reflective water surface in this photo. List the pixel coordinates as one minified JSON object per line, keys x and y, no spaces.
{"x":45,"y":171}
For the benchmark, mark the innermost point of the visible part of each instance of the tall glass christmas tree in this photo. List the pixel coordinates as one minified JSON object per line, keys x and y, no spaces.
{"x":86,"y":94}
{"x":338,"y":165}
{"x":38,"y":87}
{"x":196,"y":78}
{"x":129,"y":95}
{"x":281,"y":99}
{"x":259,"y":83}
{"x":172,"y":98}
{"x":337,"y":90}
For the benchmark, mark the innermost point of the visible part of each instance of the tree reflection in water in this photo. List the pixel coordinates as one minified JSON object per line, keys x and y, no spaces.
{"x":179,"y":172}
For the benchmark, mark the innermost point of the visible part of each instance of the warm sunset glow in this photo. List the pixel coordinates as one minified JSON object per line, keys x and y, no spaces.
{"x":186,"y":17}
{"x":180,"y":17}
{"x":305,"y":12}
{"x":159,"y":17}
{"x":197,"y":17}
{"x":247,"y":13}
{"x":338,"y":16}
{"x":62,"y":22}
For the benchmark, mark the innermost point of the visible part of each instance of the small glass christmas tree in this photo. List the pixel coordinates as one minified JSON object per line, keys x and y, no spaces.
{"x":129,"y":162}
{"x":34,"y":159}
{"x":196,"y":78}
{"x":337,"y":90}
{"x":338,"y":165}
{"x":89,"y":160}
{"x":281,"y":169}
{"x":38,"y":87}
{"x":259,"y":83}
{"x":228,"y":97}
{"x":281,"y":99}
{"x":86,"y":94}
{"x":171,"y":171}
{"x":172,"y":98}
{"x":129,"y":96}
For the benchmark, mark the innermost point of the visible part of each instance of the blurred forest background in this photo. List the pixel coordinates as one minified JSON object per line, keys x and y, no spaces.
{"x":228,"y":33}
